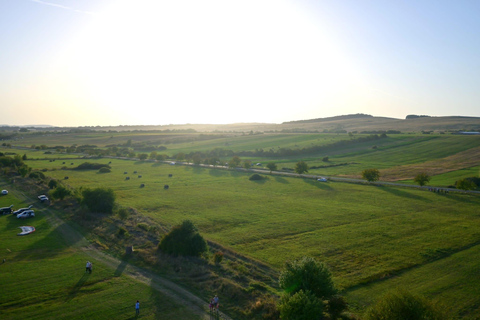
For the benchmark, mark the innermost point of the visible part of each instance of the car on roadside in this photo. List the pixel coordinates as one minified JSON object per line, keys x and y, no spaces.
{"x":16,"y":212}
{"x":26,"y":214}
{"x":6,"y":210}
{"x":322,"y":179}
{"x":4,"y":192}
{"x":43,"y":198}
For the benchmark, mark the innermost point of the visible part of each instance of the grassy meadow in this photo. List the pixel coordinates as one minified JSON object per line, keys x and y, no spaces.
{"x":366,"y":234}
{"x":43,"y":277}
{"x":373,"y":237}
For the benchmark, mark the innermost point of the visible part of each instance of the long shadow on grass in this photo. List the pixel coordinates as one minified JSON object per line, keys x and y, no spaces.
{"x":76,"y":288}
{"x":218,"y":173}
{"x":402,"y":193}
{"x":320,"y":185}
{"x":121,"y":267}
{"x":55,"y":242}
{"x":281,"y":180}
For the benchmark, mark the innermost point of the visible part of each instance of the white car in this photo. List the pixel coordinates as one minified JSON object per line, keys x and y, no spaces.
{"x":16,"y":212}
{"x":4,"y":192}
{"x":322,"y":179}
{"x":43,"y":198}
{"x":26,"y":214}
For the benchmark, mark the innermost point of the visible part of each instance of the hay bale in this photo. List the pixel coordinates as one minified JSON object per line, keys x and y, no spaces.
{"x":166,"y":186}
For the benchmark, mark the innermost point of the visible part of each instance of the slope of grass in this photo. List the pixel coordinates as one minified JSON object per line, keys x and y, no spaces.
{"x":44,"y":278}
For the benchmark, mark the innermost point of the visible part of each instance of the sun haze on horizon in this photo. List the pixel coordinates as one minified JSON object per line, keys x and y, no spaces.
{"x":174,"y":62}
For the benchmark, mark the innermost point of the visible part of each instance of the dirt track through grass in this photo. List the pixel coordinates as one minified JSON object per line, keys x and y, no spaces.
{"x":76,"y":240}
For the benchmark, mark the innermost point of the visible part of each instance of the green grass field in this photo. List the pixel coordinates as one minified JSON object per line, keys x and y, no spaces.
{"x":364,"y":233}
{"x":44,"y":277}
{"x":373,"y":238}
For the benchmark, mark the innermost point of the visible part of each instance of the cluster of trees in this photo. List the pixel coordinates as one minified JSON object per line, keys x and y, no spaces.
{"x":184,"y":240}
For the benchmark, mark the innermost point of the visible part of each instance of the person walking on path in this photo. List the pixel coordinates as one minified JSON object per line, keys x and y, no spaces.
{"x":137,"y":308}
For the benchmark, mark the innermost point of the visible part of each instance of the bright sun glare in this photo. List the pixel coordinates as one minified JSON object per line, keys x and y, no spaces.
{"x":216,"y":61}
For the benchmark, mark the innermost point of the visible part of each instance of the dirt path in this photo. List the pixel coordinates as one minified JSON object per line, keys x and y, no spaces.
{"x":73,"y":237}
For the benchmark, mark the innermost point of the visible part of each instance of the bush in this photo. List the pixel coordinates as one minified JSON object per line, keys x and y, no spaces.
{"x":307,"y":274}
{"x":60,"y":193}
{"x":52,"y":184}
{"x":104,"y":170}
{"x":37,"y":175}
{"x":99,"y":200}
{"x":91,"y":166}
{"x":183,"y":240}
{"x":256,"y":177}
{"x":218,"y":257}
{"x":371,"y":175}
{"x":302,"y":305}
{"x":401,"y":305}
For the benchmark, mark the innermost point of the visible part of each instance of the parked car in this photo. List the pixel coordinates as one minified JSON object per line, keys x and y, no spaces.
{"x":6,"y":210}
{"x":322,"y":179}
{"x":16,"y":212}
{"x":43,"y":198}
{"x":26,"y":214}
{"x":4,"y":192}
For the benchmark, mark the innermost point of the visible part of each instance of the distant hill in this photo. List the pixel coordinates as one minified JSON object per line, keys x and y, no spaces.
{"x":345,"y":123}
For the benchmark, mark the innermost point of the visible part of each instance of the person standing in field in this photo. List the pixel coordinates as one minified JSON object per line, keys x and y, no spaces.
{"x":137,"y":308}
{"x":88,"y":267}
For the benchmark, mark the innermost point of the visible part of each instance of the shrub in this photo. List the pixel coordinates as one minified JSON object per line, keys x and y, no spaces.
{"x":52,"y":184}
{"x":104,"y":170}
{"x":371,"y":174}
{"x":307,"y":274}
{"x":60,"y":193}
{"x":183,"y":240}
{"x":301,"y":305}
{"x":91,"y":166}
{"x":401,"y":305}
{"x":99,"y":200}
{"x":218,"y":257}
{"x":37,"y":175}
{"x":422,"y":179}
{"x":255,"y":177}
{"x":143,"y":225}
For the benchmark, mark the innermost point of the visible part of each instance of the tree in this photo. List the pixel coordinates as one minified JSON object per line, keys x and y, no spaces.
{"x":401,"y":305}
{"x":153,"y":155}
{"x":142,"y":156}
{"x":307,"y":274}
{"x":247,"y":164}
{"x":100,"y":200}
{"x":303,"y":305}
{"x":325,"y":159}
{"x":236,"y":161}
{"x":60,"y":193}
{"x":183,"y":240}
{"x":465,"y":184}
{"x":271,"y":166}
{"x":52,"y":184}
{"x":180,"y":156}
{"x":301,"y":167}
{"x":371,"y":174}
{"x":422,"y":179}
{"x":24,"y":157}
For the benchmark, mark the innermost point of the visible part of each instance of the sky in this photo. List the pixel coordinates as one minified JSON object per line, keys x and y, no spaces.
{"x":154,"y":62}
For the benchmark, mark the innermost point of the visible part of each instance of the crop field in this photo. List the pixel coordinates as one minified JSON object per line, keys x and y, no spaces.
{"x":368,"y":235}
{"x":43,"y":277}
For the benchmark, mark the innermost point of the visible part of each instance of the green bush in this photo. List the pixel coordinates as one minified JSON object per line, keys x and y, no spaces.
{"x":100,"y":200}
{"x":60,"y":193}
{"x":37,"y":175}
{"x":307,"y":274}
{"x":183,"y":240}
{"x":218,"y":257}
{"x":255,"y":177}
{"x":143,"y":225}
{"x":91,"y":166}
{"x":401,"y":305}
{"x":52,"y":184}
{"x":303,"y":305}
{"x":104,"y":170}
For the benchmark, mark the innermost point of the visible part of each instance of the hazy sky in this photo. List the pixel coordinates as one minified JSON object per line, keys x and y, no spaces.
{"x":119,"y":62}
